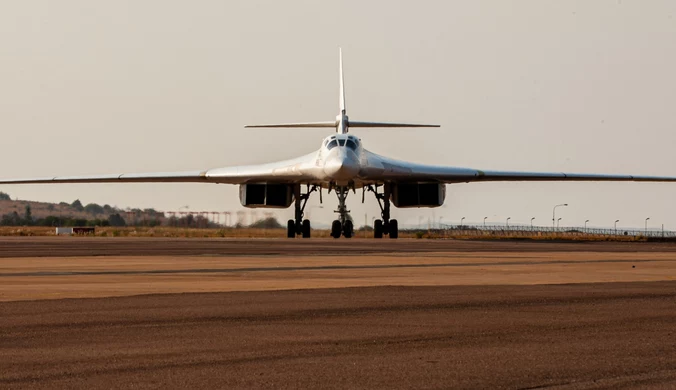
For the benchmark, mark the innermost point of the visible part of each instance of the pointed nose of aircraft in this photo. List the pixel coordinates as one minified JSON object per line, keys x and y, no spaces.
{"x":341,"y":164}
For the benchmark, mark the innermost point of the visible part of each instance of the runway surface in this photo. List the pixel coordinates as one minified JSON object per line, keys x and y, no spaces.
{"x":110,"y":246}
{"x":335,"y":313}
{"x":569,"y":336}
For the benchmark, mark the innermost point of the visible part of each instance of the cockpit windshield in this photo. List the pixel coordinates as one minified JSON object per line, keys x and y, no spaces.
{"x":350,"y":142}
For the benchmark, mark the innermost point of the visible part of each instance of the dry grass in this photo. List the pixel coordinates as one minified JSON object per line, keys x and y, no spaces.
{"x":281,"y":233}
{"x":170,"y":232}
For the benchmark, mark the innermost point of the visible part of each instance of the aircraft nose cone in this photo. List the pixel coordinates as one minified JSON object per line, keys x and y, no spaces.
{"x":341,"y":166}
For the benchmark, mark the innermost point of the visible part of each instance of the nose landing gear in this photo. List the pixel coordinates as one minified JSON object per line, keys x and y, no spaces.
{"x":342,"y":226}
{"x":385,"y":225}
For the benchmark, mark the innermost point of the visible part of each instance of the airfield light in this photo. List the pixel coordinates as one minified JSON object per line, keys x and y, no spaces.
{"x":554,"y":212}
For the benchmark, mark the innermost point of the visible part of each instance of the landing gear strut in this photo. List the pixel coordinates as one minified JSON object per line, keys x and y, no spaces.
{"x":343,"y":225}
{"x":298,"y":226}
{"x":385,"y":225}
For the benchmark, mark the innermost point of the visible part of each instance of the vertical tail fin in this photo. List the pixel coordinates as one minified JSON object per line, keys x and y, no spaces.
{"x":342,"y":82}
{"x":342,"y":123}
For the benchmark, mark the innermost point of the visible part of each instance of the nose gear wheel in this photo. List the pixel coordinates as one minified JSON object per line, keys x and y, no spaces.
{"x":343,"y":226}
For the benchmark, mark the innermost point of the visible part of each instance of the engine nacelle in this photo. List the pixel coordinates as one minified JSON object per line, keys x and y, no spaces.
{"x":265,"y":195}
{"x":418,"y":194}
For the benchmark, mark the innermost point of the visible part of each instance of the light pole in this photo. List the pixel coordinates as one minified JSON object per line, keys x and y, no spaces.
{"x":440,"y":222}
{"x":585,"y":225}
{"x":485,"y":221}
{"x":531,"y":222}
{"x":557,"y":223}
{"x":461,"y":219}
{"x":554,"y":212}
{"x":420,"y":218}
{"x":646,"y":225}
{"x":616,"y":221}
{"x":508,"y":218}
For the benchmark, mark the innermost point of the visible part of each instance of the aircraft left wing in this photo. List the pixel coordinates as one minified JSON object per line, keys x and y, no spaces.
{"x":386,"y":169}
{"x":292,"y":171}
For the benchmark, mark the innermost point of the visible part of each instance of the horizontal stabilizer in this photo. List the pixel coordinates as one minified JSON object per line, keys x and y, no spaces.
{"x":297,"y":125}
{"x":384,"y":124}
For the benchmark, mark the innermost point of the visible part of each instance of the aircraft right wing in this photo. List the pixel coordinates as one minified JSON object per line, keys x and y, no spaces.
{"x":385,"y":169}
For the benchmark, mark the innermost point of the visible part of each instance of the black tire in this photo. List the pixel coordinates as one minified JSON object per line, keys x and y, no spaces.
{"x":291,"y":229}
{"x":306,"y":228}
{"x":348,"y":228}
{"x":336,"y":229}
{"x":378,"y":228}
{"x":394,"y":229}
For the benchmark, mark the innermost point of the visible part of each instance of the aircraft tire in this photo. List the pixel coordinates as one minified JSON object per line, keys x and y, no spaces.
{"x":394,"y":228}
{"x":336,"y":229}
{"x":306,"y":228}
{"x":348,"y":229}
{"x":378,"y":228}
{"x":291,"y":229}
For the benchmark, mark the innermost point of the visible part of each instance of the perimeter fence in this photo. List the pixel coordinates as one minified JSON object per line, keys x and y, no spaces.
{"x":542,"y":231}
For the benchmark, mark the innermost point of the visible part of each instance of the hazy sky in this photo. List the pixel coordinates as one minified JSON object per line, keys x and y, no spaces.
{"x":135,"y":86}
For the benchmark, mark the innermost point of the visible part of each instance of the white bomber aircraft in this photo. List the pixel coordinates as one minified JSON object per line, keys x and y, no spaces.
{"x":341,"y":164}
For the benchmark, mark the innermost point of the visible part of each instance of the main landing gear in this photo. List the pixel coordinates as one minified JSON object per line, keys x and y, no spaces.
{"x":386,"y":225}
{"x":299,"y":226}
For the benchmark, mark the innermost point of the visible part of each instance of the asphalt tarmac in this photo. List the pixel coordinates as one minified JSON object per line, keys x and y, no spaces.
{"x":335,"y":314}
{"x":67,"y":246}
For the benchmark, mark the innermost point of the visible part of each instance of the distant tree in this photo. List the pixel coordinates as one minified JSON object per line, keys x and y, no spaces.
{"x":50,"y":207}
{"x":51,"y":221}
{"x":4,"y":196}
{"x":188,"y":221}
{"x":77,"y":205}
{"x":63,"y":204}
{"x":28,"y":216}
{"x":93,"y":208}
{"x":267,"y":223}
{"x":11,"y":219}
{"x":172,"y":221}
{"x":107,"y":208}
{"x":98,"y":222}
{"x":116,"y":220}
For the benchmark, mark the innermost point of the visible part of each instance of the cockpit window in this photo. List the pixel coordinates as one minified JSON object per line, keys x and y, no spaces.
{"x":342,"y":142}
{"x":332,"y":144}
{"x":351,"y":144}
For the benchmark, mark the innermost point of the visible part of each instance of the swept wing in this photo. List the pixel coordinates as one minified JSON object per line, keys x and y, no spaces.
{"x":295,"y":170}
{"x":382,"y":169}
